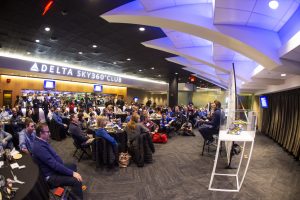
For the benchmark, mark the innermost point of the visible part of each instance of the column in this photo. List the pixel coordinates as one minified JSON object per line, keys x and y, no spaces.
{"x":173,"y":91}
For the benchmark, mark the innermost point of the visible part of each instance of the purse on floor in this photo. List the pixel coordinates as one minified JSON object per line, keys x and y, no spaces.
{"x":124,"y":159}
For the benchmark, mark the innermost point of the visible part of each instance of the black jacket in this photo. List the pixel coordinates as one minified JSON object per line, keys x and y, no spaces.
{"x":141,"y":148}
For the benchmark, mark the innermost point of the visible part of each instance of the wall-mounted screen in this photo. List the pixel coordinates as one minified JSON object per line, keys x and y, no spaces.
{"x":264,"y":102}
{"x":97,"y":88}
{"x":135,"y":99}
{"x":49,"y":84}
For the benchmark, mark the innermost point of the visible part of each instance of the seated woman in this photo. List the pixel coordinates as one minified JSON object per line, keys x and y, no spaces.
{"x":5,"y":138}
{"x":150,"y":125}
{"x":134,"y":128}
{"x":137,"y":139}
{"x":101,"y":132}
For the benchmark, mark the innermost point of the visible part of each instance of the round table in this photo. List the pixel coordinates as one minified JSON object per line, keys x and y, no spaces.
{"x":34,"y":187}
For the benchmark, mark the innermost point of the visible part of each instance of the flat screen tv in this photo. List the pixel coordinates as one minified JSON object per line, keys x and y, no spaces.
{"x":264,"y":102}
{"x":135,"y":99}
{"x":49,"y":84}
{"x":97,"y":88}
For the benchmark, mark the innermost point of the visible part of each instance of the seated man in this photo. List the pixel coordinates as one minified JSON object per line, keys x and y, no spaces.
{"x":51,"y":165}
{"x":57,"y":118}
{"x":186,"y":129}
{"x":165,"y":124}
{"x":16,"y":122}
{"x":210,"y":128}
{"x":4,"y":115}
{"x":5,"y":138}
{"x":150,"y":125}
{"x":128,"y":117}
{"x":92,"y":120}
{"x":76,"y":132}
{"x":27,"y":136}
{"x":81,"y":121}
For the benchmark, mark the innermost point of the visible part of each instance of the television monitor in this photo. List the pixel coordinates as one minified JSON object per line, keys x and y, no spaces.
{"x":49,"y":84}
{"x":135,"y":99}
{"x":97,"y":88}
{"x":264,"y":102}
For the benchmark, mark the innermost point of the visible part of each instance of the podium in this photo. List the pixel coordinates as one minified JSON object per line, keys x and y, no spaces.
{"x":246,"y":135}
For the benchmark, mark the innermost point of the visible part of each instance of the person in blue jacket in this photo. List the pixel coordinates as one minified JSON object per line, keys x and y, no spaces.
{"x":101,"y":132}
{"x":51,"y":165}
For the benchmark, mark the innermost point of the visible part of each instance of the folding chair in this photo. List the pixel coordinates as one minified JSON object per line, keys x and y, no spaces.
{"x":82,"y":149}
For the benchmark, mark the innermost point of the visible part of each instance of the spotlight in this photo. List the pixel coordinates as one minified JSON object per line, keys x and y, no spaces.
{"x":273,"y":4}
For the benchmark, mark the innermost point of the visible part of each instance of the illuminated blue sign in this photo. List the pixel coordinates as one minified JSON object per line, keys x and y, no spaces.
{"x":264,"y":102}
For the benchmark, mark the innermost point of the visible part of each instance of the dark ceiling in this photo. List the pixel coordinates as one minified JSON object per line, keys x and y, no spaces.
{"x":75,"y":27}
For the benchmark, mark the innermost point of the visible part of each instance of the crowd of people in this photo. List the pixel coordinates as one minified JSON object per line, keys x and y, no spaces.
{"x":30,"y":134}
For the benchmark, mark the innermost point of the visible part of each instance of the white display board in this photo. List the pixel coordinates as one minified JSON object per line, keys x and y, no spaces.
{"x":231,"y":110}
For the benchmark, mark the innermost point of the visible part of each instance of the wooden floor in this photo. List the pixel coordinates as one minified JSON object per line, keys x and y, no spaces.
{"x":180,"y":172}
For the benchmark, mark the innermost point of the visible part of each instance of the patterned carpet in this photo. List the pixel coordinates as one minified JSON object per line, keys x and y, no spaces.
{"x":180,"y":172}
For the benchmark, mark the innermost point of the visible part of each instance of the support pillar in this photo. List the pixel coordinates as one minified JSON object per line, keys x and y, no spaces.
{"x":173,"y":91}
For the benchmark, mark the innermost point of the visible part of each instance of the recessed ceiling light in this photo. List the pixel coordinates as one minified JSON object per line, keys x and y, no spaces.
{"x":176,"y":73}
{"x":47,"y":29}
{"x":273,"y":4}
{"x":37,"y":41}
{"x":80,"y":52}
{"x":65,"y":60}
{"x":114,"y":63}
{"x":152,"y":67}
{"x":94,"y":46}
{"x":159,"y":75}
{"x":142,"y":29}
{"x":129,"y":59}
{"x":140,"y":70}
{"x":283,"y":74}
{"x":28,"y":53}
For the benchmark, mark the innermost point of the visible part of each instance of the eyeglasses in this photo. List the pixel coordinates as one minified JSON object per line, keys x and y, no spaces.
{"x":45,"y":131}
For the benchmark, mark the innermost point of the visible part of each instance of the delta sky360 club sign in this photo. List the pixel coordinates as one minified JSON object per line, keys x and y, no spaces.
{"x":66,"y":71}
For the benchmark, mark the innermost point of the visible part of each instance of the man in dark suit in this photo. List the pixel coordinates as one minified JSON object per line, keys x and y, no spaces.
{"x":76,"y":132}
{"x":54,"y":170}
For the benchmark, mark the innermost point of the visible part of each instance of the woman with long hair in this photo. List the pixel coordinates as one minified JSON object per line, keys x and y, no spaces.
{"x":134,"y":128}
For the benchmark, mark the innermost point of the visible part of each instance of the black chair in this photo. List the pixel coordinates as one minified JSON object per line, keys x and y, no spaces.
{"x":57,"y":131}
{"x":215,"y":143}
{"x":81,"y":149}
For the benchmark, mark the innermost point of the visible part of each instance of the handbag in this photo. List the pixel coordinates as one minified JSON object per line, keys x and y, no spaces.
{"x":124,"y":159}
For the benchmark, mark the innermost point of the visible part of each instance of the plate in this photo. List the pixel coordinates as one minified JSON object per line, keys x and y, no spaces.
{"x":17,"y":156}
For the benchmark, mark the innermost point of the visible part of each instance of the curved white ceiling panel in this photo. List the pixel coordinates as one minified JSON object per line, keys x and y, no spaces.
{"x":255,"y":13}
{"x":151,"y":5}
{"x":244,"y":40}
